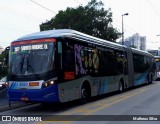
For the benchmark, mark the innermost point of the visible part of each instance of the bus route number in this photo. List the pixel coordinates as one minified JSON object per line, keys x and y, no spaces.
{"x":23,"y":84}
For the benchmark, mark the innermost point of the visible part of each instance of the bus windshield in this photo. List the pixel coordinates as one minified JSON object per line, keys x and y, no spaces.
{"x":31,"y":59}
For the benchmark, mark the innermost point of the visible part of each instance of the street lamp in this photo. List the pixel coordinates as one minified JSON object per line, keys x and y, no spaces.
{"x":122,"y":28}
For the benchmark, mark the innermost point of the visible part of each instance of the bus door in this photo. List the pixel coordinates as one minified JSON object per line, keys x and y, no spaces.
{"x":66,"y":65}
{"x":59,"y":62}
{"x":130,"y":67}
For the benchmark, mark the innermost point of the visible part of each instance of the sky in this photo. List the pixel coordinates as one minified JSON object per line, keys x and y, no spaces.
{"x":21,"y":17}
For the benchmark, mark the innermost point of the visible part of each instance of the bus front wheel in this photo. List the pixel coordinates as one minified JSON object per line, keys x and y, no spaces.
{"x":85,"y":93}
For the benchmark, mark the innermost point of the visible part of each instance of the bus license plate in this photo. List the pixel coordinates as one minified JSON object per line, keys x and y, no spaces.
{"x":24,"y":99}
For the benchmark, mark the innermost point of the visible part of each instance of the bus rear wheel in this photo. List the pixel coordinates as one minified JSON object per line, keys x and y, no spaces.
{"x":151,"y":79}
{"x":147,"y":80}
{"x":121,"y":87}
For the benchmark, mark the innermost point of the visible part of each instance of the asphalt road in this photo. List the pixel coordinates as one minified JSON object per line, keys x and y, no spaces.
{"x":4,"y":102}
{"x":130,"y":107}
{"x":3,"y":98}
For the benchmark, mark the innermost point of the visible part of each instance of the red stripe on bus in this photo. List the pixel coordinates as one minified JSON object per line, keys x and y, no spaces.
{"x":33,"y":41}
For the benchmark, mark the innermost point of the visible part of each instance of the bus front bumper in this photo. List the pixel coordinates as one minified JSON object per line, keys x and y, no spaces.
{"x":49,"y":94}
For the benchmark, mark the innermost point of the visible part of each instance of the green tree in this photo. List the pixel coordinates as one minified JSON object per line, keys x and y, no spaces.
{"x":3,"y":67}
{"x":91,"y":19}
{"x":2,"y":56}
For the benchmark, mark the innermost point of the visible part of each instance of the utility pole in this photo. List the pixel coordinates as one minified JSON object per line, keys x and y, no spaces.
{"x":122,"y":28}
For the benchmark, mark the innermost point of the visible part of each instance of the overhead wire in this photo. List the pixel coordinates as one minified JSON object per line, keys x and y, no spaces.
{"x":81,"y":4}
{"x":132,"y":31}
{"x":43,"y":7}
{"x":78,"y":2}
{"x":12,"y":13}
{"x":16,"y":12}
{"x":21,"y":15}
{"x":86,"y":1}
{"x":157,"y":12}
{"x":14,"y":29}
{"x":129,"y":29}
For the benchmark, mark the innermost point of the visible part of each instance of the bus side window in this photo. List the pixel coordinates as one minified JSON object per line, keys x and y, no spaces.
{"x":119,"y":62}
{"x":104,"y":63}
{"x":125,"y":63}
{"x":111,"y":62}
{"x":69,"y":58}
{"x":60,"y":55}
{"x":138,"y":63}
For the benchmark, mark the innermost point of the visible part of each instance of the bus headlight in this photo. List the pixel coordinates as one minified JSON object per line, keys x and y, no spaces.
{"x":48,"y":83}
{"x":7,"y":84}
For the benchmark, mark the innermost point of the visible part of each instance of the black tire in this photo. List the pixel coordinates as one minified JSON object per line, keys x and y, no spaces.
{"x":147,"y":80}
{"x":151,"y":79}
{"x":85,"y":93}
{"x":121,"y":87}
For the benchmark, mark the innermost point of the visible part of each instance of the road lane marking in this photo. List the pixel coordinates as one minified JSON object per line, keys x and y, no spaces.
{"x":100,"y":104}
{"x":93,"y":107}
{"x":105,"y":103}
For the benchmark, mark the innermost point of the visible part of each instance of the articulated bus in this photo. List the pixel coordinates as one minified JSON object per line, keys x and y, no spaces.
{"x":157,"y":58}
{"x":64,"y":65}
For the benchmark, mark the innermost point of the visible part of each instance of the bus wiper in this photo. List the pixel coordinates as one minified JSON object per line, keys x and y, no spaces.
{"x":22,"y":63}
{"x":31,"y":67}
{"x":27,"y":65}
{"x":19,"y":65}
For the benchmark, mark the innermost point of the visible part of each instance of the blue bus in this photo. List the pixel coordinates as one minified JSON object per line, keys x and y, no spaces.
{"x":65,"y":65}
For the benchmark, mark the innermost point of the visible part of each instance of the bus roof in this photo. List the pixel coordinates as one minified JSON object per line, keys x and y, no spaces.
{"x":141,"y":52}
{"x":62,"y":33}
{"x":47,"y":34}
{"x":67,"y":33}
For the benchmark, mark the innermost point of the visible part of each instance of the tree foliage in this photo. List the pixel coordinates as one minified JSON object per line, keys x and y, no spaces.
{"x":2,"y":56}
{"x":91,"y":19}
{"x":3,"y":67}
